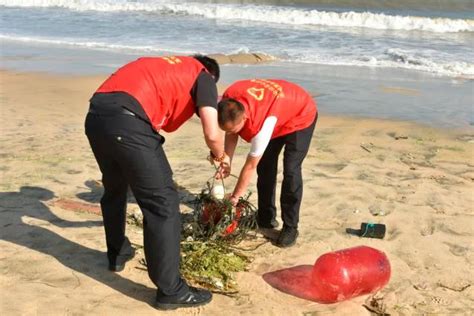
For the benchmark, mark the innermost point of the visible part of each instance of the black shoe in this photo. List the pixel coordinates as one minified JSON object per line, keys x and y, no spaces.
{"x":194,"y":297}
{"x":287,"y":237}
{"x":118,"y":264}
{"x":272,"y":225}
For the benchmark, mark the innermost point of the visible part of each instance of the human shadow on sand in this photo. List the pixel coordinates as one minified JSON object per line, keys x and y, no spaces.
{"x":95,"y":193}
{"x":17,"y":209}
{"x":186,"y":197}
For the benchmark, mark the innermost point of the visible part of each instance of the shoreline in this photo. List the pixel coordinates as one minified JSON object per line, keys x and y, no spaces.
{"x":240,"y":71}
{"x":354,"y":91}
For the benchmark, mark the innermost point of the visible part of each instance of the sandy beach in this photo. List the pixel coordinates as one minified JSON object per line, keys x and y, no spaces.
{"x":415,"y":179}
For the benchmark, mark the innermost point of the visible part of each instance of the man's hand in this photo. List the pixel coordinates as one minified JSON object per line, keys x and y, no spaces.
{"x":233,"y":200}
{"x":224,"y":168}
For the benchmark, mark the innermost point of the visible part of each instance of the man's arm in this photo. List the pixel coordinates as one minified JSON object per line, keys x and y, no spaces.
{"x":229,"y":147}
{"x":246,"y":174}
{"x":259,"y":144}
{"x":230,"y":144}
{"x":213,"y":135}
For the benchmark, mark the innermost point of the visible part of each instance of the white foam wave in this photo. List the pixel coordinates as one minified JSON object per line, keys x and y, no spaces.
{"x":395,"y":58}
{"x":93,"y":45}
{"x":261,"y":13}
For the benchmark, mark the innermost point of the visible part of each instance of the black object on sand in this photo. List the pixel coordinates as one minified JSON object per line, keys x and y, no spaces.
{"x":369,"y":230}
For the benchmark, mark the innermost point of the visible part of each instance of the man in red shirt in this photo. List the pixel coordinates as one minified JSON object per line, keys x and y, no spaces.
{"x":270,"y":114}
{"x":126,"y":115}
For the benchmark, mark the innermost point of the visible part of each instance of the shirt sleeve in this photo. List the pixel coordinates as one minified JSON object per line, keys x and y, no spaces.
{"x":204,"y":91}
{"x":260,"y":141}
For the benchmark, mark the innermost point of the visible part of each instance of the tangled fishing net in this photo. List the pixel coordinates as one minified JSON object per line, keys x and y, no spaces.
{"x":209,"y":252}
{"x":211,"y":236}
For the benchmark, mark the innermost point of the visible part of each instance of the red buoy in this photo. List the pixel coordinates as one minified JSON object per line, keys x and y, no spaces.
{"x":348,"y":273}
{"x":335,"y":276}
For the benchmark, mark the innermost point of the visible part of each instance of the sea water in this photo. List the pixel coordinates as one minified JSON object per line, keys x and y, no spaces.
{"x":334,"y":48}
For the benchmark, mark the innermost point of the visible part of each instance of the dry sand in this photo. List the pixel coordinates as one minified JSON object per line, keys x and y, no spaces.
{"x":52,"y":260}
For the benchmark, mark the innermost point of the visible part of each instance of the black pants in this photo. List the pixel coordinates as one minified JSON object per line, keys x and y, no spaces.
{"x":296,"y":147}
{"x":130,"y":153}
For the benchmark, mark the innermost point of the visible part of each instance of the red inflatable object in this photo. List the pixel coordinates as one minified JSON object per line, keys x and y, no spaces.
{"x":351,"y":272}
{"x":335,"y":276}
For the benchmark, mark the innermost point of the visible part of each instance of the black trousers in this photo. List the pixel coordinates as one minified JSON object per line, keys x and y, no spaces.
{"x":130,"y":154}
{"x":296,"y":147}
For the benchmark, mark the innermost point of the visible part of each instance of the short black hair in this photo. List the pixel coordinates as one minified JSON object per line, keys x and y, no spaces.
{"x":210,"y":64}
{"x":229,"y":110}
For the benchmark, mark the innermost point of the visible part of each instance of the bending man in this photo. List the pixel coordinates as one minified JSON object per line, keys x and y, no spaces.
{"x":270,"y":114}
{"x":126,"y":115}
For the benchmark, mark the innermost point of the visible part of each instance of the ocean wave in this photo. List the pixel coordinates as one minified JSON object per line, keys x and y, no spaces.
{"x":261,"y":13}
{"x":93,"y":45}
{"x":395,"y":58}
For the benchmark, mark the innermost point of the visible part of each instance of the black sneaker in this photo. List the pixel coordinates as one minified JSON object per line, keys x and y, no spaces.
{"x":272,"y":225}
{"x":194,"y":297}
{"x":287,"y":237}
{"x":118,"y":264}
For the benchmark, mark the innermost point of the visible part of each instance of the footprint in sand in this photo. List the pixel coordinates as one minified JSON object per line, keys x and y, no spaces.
{"x":380,"y":157}
{"x":458,"y":230}
{"x":332,"y":167}
{"x":362,"y":176}
{"x":72,"y":171}
{"x":427,"y":229}
{"x":440,"y":301}
{"x":457,"y":250}
{"x":377,"y":210}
